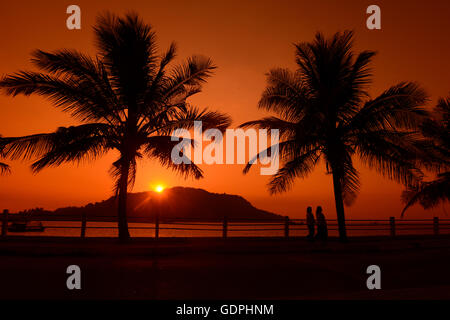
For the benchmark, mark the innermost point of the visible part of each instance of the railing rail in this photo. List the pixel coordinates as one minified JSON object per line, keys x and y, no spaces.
{"x":284,"y":225}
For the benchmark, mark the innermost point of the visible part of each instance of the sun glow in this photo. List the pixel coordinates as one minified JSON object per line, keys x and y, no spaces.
{"x":159,"y":188}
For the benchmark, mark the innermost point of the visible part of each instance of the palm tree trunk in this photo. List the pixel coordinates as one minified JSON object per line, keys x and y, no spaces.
{"x":339,"y":201}
{"x":124,"y":235}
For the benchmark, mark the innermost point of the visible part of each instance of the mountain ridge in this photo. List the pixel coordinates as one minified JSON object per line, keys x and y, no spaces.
{"x":172,"y":203}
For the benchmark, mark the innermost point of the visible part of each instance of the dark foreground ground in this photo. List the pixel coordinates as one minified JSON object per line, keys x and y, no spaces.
{"x":411,"y":268}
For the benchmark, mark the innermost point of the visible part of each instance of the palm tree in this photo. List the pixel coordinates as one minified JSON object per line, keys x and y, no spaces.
{"x":437,"y":129}
{"x":126,"y":98}
{"x":325,"y":112}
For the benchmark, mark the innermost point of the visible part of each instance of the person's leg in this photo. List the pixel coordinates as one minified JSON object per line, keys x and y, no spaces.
{"x":311,"y":232}
{"x":320,"y":233}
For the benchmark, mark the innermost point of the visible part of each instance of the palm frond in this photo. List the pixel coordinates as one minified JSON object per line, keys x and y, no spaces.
{"x":285,"y":94}
{"x":428,"y":194}
{"x":349,"y":182}
{"x":75,"y":143}
{"x":183,"y":118}
{"x":4,"y":168}
{"x":436,"y":158}
{"x":161,"y":148}
{"x":399,"y":107}
{"x":287,"y":150}
{"x":286,"y":129}
{"x":116,"y":171}
{"x":81,"y":69}
{"x":437,"y":130}
{"x":325,"y":61}
{"x":391,"y":153}
{"x":193,"y":73}
{"x":300,"y":166}
{"x":153,"y":93}
{"x":80,"y":99}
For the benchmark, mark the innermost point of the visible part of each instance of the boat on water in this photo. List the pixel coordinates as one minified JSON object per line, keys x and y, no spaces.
{"x":29,"y":226}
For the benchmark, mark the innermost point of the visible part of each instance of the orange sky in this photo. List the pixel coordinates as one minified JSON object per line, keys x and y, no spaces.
{"x":245,"y":39}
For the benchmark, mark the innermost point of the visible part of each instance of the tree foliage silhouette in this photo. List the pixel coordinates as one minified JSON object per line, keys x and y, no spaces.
{"x":126,"y":98}
{"x":437,"y":129}
{"x":325,"y":112}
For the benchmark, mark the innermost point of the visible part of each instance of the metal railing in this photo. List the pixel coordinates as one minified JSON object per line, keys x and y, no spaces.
{"x":283,"y":227}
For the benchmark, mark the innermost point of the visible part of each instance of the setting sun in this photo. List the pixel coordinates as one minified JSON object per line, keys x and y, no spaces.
{"x":159,"y":188}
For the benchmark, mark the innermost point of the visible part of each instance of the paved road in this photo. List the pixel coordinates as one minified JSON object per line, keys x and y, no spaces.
{"x":411,"y":269}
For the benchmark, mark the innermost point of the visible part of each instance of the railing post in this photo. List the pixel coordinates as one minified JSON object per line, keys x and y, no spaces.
{"x":392,"y":223}
{"x":286,"y":227}
{"x":157,"y":226}
{"x":83,"y":224}
{"x":436,"y":226}
{"x":225,"y":227}
{"x":5,"y":223}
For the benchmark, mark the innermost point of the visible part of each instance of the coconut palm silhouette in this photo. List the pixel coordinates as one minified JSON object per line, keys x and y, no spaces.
{"x":126,"y":97}
{"x":326,"y":113}
{"x":437,"y":129}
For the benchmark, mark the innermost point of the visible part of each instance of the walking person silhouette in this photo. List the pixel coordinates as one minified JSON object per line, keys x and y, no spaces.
{"x":310,"y":222}
{"x":322,"y":230}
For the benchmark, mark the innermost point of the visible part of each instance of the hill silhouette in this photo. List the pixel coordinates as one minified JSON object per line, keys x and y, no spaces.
{"x":176,"y":202}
